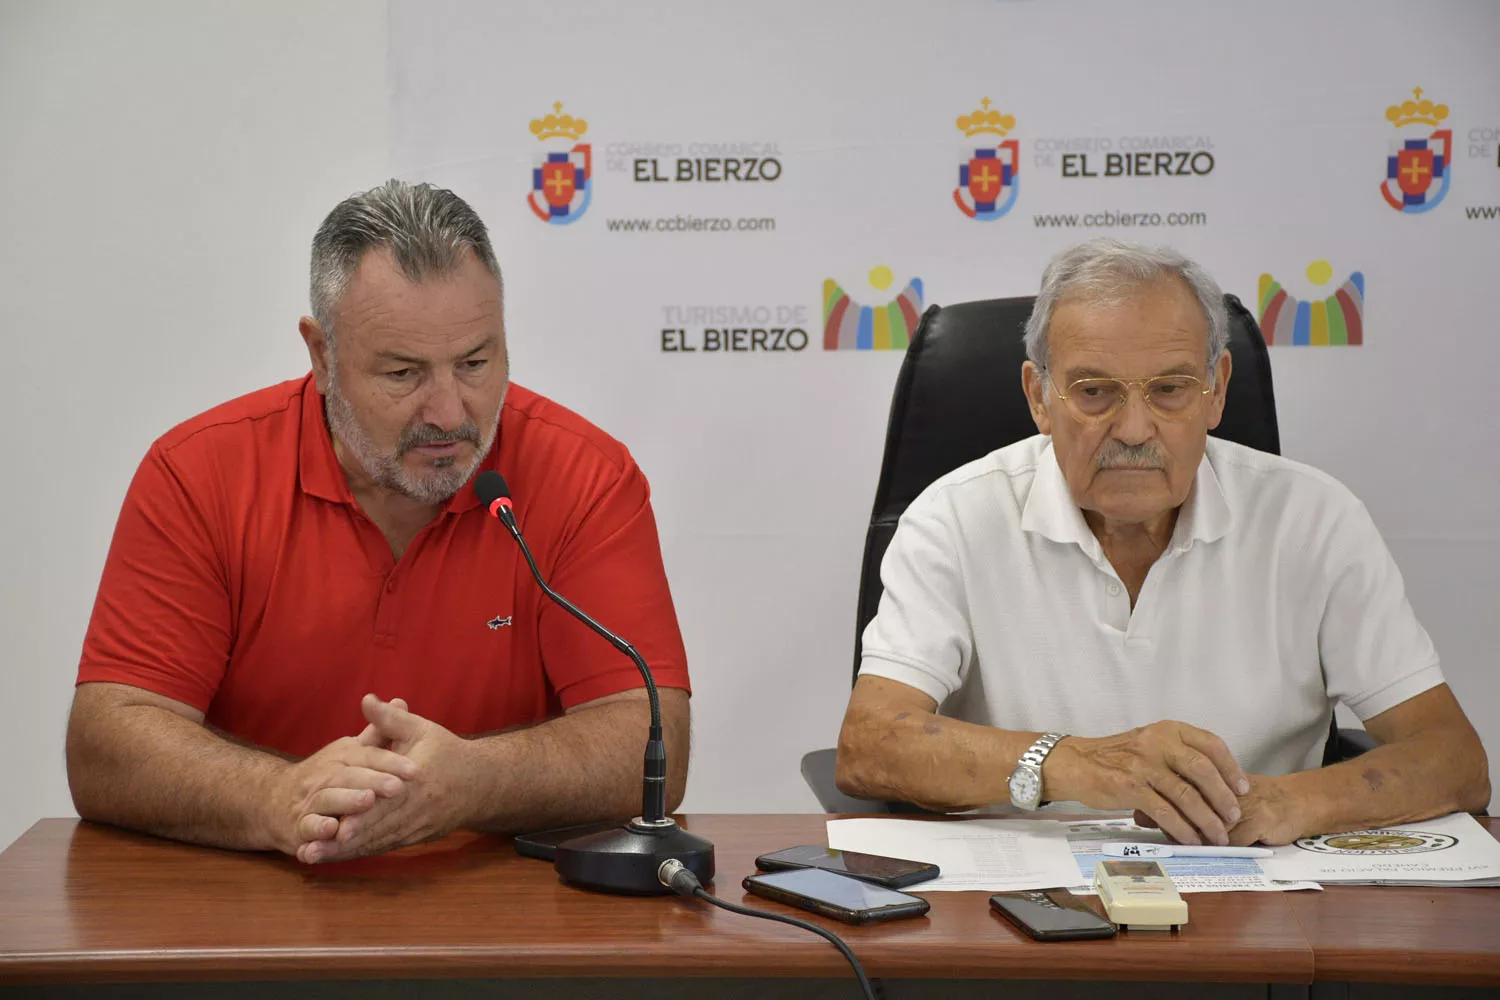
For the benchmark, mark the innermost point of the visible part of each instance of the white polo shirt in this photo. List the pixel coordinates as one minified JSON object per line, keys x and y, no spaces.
{"x":1276,"y":598}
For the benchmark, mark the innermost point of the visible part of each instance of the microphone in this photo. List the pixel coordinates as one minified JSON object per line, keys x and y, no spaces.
{"x":626,"y":859}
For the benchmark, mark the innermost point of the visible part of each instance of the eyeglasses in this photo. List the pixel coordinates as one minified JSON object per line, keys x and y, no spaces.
{"x":1171,"y":397}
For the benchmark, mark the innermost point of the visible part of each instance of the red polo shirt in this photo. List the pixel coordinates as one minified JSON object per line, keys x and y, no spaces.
{"x":245,"y":581}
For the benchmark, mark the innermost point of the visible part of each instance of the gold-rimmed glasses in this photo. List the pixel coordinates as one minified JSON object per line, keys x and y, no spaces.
{"x":1171,"y":397}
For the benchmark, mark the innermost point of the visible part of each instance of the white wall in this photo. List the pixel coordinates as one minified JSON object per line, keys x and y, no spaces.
{"x":163,"y":166}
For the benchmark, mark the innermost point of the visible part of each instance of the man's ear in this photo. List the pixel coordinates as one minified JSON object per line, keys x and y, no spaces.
{"x":1216,"y":400}
{"x":317,"y":350}
{"x":1032,"y":383}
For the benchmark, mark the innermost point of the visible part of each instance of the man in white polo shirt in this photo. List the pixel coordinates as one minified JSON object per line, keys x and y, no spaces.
{"x":1050,"y":605}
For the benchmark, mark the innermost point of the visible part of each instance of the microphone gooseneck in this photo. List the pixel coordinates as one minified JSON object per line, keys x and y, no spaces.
{"x":491,"y":488}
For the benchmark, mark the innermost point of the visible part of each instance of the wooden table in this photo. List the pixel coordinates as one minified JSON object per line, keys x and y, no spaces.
{"x":1401,"y":934}
{"x":81,"y":903}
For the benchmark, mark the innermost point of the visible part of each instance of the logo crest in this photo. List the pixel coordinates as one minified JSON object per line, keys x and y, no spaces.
{"x":497,"y":623}
{"x":1368,"y":843}
{"x":561,"y":179}
{"x":1418,"y":170}
{"x":988,"y":176}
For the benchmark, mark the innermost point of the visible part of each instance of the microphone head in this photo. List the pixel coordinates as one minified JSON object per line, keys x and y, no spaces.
{"x":489,"y":486}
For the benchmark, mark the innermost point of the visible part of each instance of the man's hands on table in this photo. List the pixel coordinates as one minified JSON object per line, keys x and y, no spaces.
{"x":1173,"y":775}
{"x":424,"y":803}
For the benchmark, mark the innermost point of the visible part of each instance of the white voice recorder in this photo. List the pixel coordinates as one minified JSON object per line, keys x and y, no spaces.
{"x":1139,"y":895}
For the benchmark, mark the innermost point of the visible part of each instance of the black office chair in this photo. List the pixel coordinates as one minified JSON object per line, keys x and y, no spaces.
{"x":958,"y":398}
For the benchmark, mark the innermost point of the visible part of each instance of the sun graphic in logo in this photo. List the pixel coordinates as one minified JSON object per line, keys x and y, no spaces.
{"x":1334,"y":321}
{"x":849,"y":326}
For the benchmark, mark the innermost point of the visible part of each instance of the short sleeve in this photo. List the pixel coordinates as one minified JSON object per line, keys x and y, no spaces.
{"x":162,"y":618}
{"x":921,"y":636}
{"x":1375,"y":653}
{"x":611,"y":567}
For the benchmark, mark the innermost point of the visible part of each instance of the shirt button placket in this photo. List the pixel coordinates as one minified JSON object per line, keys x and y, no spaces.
{"x":385,"y":613}
{"x":1117,"y":606}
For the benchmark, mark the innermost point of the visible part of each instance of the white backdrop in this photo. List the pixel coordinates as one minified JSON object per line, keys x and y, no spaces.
{"x":764,"y":462}
{"x":165,"y":163}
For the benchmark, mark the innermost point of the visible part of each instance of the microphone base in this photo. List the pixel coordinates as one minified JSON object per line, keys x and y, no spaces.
{"x":625,"y":860}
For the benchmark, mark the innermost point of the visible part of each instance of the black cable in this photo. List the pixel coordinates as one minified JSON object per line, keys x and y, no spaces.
{"x":675,"y":876}
{"x":832,"y":938}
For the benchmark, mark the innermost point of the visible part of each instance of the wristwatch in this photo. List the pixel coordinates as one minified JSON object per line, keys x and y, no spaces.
{"x":1026,"y":780}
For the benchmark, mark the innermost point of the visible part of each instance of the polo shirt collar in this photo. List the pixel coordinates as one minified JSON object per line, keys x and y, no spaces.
{"x":1207,"y":516}
{"x":318,"y":468}
{"x":1051,"y":512}
{"x":321,"y":475}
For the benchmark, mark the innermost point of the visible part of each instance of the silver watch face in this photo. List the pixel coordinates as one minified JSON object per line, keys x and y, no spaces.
{"x":1025,"y":786}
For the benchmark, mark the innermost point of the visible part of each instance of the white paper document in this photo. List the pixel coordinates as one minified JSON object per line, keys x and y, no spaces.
{"x":1005,"y":855}
{"x":990,"y":855}
{"x":1449,"y":850}
{"x":1196,"y":874}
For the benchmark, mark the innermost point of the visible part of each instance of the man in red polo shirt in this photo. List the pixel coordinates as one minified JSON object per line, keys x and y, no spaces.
{"x":281,"y":556}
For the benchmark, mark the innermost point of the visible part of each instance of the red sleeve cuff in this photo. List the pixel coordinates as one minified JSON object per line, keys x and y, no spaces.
{"x":602,"y":685}
{"x":92,"y":672}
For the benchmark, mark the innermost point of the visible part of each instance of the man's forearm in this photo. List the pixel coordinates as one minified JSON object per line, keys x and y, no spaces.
{"x":929,"y":760}
{"x":145,"y":768}
{"x":577,"y":768}
{"x":1431,"y":774}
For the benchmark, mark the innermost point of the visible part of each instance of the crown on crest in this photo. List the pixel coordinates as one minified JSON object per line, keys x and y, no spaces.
{"x":985,"y":119}
{"x":558,"y":124}
{"x":1417,"y":110}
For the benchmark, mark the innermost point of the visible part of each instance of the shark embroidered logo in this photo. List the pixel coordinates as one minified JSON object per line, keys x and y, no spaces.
{"x":497,"y":623}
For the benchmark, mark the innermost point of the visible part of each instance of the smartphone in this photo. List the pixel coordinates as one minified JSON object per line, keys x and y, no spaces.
{"x":543,"y":843}
{"x":893,"y":873}
{"x":836,"y":896}
{"x":1051,"y":915}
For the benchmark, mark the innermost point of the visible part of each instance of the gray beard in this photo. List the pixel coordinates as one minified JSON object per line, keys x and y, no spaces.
{"x":386,"y":468}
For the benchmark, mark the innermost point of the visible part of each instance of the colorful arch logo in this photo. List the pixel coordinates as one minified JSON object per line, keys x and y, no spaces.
{"x":562,"y":181}
{"x":1336,"y":321}
{"x":850,"y":326}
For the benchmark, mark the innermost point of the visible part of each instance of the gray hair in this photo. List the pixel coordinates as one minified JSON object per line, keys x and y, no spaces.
{"x":1106,"y":270}
{"x":426,"y":228}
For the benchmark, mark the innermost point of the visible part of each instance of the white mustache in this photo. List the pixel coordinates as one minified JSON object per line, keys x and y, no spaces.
{"x":1116,"y":455}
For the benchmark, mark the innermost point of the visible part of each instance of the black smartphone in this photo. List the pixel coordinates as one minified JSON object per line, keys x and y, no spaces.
{"x":543,"y":843}
{"x":893,"y":873}
{"x":836,"y":896}
{"x":1051,"y":915}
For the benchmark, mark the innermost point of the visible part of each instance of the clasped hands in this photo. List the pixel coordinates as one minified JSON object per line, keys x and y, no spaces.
{"x":399,"y":782}
{"x":1183,"y":780}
